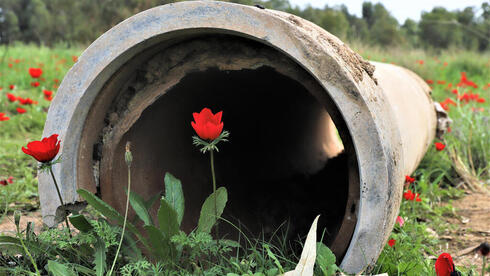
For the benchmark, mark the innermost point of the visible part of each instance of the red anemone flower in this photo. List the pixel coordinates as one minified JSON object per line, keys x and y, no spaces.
{"x":439,"y":146}
{"x":466,"y":82}
{"x":430,"y":81}
{"x":45,"y":150}
{"x":10,"y":179}
{"x":207,"y":125}
{"x":35,"y":72}
{"x":445,"y":104}
{"x":444,"y":265}
{"x":465,"y":97}
{"x":26,"y":101}
{"x":48,"y":94}
{"x":3,"y":117}
{"x":11,"y":97}
{"x":35,"y":84}
{"x":408,"y":195}
{"x":417,"y":197}
{"x":409,"y":179}
{"x":3,"y":182}
{"x":391,"y":242}
{"x":12,"y":87}
{"x":20,"y":110}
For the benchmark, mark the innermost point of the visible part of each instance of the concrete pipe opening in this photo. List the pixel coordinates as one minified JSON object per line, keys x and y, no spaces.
{"x":285,"y":163}
{"x":314,"y":128}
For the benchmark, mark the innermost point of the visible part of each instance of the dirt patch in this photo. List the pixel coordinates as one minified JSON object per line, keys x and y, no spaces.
{"x":7,"y":225}
{"x":472,"y":223}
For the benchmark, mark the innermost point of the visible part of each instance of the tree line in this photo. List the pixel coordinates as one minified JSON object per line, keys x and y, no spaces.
{"x":49,"y":22}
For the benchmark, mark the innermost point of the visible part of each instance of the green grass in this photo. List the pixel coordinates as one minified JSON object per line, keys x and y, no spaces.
{"x":436,"y":176}
{"x":23,"y":128}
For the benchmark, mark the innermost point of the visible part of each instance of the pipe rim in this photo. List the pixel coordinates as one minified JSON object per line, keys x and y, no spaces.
{"x":368,"y":120}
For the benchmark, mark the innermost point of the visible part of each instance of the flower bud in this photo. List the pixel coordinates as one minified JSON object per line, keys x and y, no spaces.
{"x":128,"y":156}
{"x":17,"y":218}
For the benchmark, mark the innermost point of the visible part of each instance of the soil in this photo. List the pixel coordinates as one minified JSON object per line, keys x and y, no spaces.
{"x":7,"y":225}
{"x":472,"y":227}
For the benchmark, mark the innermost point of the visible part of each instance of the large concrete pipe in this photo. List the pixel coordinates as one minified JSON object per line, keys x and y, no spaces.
{"x":289,"y":91}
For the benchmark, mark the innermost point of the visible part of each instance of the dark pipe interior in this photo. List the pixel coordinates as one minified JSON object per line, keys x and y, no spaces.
{"x":274,"y":167}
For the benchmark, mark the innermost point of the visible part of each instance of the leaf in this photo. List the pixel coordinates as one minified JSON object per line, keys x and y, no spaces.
{"x":160,"y":244}
{"x":101,"y":206}
{"x":109,"y":212}
{"x":167,"y":219}
{"x":210,"y":214}
{"x":11,"y":245}
{"x":325,"y":259}
{"x":229,"y":243}
{"x":130,"y":248}
{"x":81,"y":223}
{"x":30,"y":230}
{"x":149,"y":203}
{"x":274,"y":258}
{"x":139,"y":207}
{"x":272,"y":272}
{"x":58,"y":269}
{"x":174,"y":195}
{"x":100,"y":257}
{"x":306,"y":263}
{"x":83,"y":270}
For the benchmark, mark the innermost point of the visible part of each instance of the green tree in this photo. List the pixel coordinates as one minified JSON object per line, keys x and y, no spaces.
{"x":466,"y":19}
{"x":368,"y":13}
{"x":383,"y":27}
{"x":39,"y":22}
{"x":9,"y":26}
{"x":438,"y":28}
{"x":410,"y":32}
{"x":358,"y":28}
{"x":335,"y":22}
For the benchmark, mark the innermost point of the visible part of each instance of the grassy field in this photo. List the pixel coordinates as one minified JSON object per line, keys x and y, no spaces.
{"x":441,"y":177}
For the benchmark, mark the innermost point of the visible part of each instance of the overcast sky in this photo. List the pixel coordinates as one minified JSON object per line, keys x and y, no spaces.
{"x":400,"y":9}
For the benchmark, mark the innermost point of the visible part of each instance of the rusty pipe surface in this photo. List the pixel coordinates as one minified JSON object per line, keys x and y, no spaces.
{"x":383,"y":113}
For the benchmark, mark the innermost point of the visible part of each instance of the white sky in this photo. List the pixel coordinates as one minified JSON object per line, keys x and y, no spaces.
{"x":400,"y":9}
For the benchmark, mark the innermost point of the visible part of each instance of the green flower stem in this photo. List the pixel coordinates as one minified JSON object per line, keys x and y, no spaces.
{"x":483,"y":265}
{"x":61,"y":199}
{"x":6,"y":208}
{"x":214,"y":192}
{"x":26,"y":250}
{"x":124,"y":222}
